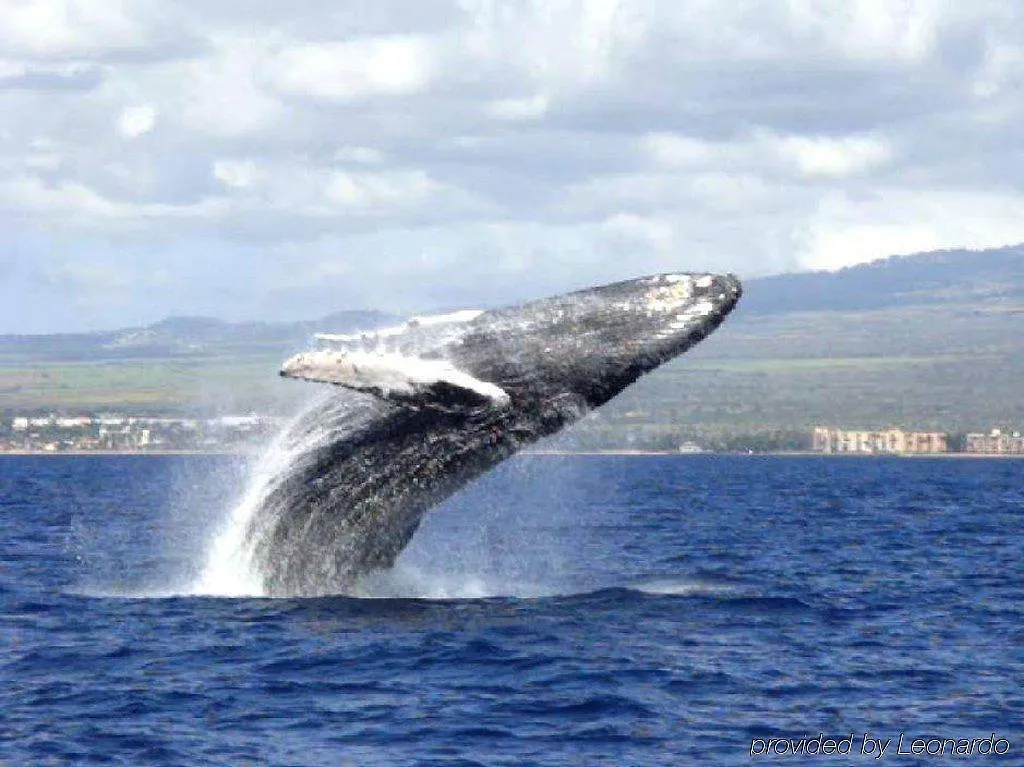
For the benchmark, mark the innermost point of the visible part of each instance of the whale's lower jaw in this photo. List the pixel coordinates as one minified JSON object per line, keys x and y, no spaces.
{"x":368,"y":466}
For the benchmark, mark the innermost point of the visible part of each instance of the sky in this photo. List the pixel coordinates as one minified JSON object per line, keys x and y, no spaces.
{"x":253,"y":159}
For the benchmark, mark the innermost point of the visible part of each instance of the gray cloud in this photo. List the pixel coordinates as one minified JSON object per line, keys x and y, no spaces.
{"x":21,"y":76}
{"x":267,"y":160}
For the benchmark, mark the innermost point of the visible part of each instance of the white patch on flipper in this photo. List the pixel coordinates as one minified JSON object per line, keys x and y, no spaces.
{"x":386,"y":374}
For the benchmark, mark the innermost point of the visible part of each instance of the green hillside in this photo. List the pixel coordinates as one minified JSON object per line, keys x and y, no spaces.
{"x":181,"y":365}
{"x":930,"y":341}
{"x":926,"y":342}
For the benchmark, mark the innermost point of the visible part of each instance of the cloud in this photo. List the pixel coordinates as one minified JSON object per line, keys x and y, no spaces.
{"x":52,"y":28}
{"x":81,"y":29}
{"x":222,"y":95}
{"x":848,"y":231}
{"x":518,"y":109}
{"x":236,"y":173}
{"x":835,"y":157}
{"x":419,"y":154}
{"x":134,"y":121}
{"x":49,"y":76}
{"x":354,"y":69}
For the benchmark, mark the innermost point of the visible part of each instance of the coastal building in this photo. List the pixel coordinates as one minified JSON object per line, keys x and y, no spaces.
{"x":122,"y":432}
{"x":996,"y":442}
{"x":890,"y":441}
{"x":76,"y":422}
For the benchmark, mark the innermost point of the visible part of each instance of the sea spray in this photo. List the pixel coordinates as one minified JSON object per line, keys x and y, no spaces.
{"x":231,"y":567}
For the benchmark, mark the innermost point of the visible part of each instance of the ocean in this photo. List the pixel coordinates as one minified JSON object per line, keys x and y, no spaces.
{"x":564,"y":610}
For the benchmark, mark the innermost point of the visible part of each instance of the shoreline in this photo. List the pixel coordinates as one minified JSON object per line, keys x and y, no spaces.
{"x":78,"y":453}
{"x":622,"y":453}
{"x":769,"y":453}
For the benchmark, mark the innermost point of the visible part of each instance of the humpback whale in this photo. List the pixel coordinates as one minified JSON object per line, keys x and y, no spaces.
{"x":425,"y":407}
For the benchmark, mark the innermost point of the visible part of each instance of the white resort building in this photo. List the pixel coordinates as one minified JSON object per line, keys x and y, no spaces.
{"x":890,"y":441}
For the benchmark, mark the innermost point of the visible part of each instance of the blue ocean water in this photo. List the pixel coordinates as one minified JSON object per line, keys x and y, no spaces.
{"x":563,"y":611}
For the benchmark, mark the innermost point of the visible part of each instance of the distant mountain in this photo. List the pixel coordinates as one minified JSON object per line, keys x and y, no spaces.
{"x":934,"y":340}
{"x":183,"y":337}
{"x":208,"y":335}
{"x":993,"y":280}
{"x":945,"y":276}
{"x":931,"y":341}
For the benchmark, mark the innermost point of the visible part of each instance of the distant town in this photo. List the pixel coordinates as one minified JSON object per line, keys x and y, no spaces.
{"x":898,"y":442}
{"x":120,"y":433}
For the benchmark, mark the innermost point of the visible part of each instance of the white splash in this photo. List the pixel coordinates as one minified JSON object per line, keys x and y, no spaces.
{"x":230,"y":569}
{"x":407,"y":581}
{"x":684,"y":588}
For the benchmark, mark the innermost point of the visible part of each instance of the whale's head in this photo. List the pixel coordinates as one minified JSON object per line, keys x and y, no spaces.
{"x":578,"y":349}
{"x":593,"y":343}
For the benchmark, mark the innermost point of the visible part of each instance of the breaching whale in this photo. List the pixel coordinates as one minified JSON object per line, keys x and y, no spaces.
{"x":430,"y":405}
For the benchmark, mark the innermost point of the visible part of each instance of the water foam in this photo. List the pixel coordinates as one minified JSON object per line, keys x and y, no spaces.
{"x":684,"y":588}
{"x":406,"y":581}
{"x":230,"y":568}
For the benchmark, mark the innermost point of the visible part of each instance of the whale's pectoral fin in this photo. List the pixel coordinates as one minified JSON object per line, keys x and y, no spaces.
{"x":396,"y":377}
